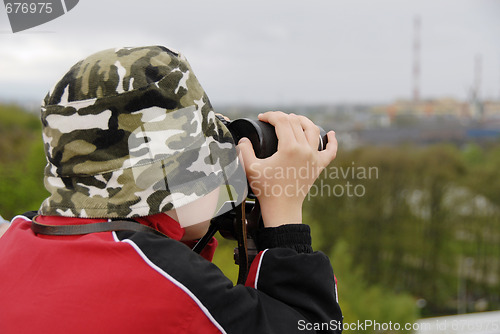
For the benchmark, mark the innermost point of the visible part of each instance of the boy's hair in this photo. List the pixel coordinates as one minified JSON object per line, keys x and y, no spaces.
{"x":130,"y":132}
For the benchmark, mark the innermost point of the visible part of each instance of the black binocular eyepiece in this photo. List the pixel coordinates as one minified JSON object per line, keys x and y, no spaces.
{"x":262,"y":135}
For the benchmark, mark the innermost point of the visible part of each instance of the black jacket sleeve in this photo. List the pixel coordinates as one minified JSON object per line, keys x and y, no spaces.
{"x":290,"y":292}
{"x":304,"y":282}
{"x":294,"y":236}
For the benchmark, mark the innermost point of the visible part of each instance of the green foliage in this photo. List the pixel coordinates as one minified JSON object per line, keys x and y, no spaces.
{"x":409,"y":232}
{"x":21,"y":185}
{"x":365,"y":303}
{"x":224,"y":259}
{"x":18,"y":131}
{"x":13,"y":117}
{"x":22,"y":161}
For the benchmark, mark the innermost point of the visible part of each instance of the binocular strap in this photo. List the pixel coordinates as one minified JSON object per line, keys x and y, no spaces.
{"x":114,"y":225}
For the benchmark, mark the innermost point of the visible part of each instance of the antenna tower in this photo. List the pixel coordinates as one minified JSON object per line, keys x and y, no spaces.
{"x":416,"y":60}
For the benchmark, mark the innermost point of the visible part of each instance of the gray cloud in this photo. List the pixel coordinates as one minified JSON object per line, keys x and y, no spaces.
{"x":273,"y":52}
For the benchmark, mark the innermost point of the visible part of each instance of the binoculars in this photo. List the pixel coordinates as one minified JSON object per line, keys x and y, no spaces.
{"x":262,"y":135}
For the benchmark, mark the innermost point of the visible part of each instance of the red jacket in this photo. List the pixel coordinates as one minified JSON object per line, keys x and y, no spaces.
{"x":138,"y":282}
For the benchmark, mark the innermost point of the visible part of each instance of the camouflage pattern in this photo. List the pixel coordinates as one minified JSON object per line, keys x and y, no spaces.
{"x":130,"y":132}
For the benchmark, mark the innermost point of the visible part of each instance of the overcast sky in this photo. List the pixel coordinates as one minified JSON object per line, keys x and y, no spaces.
{"x":273,"y":52}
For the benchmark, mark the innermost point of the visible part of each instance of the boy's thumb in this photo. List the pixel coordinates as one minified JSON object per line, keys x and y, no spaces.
{"x":246,"y":151}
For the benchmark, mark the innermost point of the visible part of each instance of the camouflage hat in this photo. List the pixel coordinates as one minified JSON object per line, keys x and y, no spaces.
{"x":130,"y":132}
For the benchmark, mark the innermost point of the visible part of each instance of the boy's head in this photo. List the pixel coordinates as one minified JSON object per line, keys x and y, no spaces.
{"x":130,"y":132}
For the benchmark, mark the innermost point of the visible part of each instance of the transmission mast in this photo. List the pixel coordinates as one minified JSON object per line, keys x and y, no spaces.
{"x":416,"y":60}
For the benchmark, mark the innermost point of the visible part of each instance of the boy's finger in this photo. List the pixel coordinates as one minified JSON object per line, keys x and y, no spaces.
{"x":330,"y":152}
{"x":311,"y":131}
{"x":281,"y":124}
{"x":247,"y":153}
{"x":223,"y":116}
{"x":297,"y":129}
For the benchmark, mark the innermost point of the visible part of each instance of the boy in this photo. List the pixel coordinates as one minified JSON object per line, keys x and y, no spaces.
{"x":130,"y":135}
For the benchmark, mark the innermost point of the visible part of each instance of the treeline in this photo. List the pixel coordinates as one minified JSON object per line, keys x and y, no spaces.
{"x":411,"y":232}
{"x":427,"y":225}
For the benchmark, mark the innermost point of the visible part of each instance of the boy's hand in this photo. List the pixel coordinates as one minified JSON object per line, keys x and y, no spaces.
{"x":282,"y":181}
